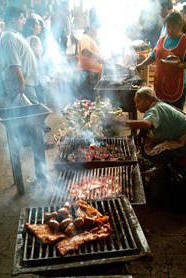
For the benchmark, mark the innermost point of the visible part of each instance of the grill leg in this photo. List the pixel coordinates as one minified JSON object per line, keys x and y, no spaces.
{"x":15,"y":160}
{"x":37,"y":142}
{"x":133,"y":116}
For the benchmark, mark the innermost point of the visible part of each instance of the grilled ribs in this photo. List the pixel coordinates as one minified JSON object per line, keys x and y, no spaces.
{"x":71,"y":244}
{"x":71,"y":233}
{"x":44,"y":233}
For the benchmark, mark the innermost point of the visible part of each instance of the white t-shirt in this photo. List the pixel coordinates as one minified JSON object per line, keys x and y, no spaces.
{"x":15,"y":51}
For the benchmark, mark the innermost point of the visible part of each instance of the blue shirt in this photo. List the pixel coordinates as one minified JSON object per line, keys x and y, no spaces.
{"x":168,"y":123}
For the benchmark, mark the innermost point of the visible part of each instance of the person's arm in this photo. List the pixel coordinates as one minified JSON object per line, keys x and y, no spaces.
{"x":87,"y":53}
{"x":17,"y":76}
{"x":149,"y":60}
{"x":138,"y":124}
{"x":13,"y":62}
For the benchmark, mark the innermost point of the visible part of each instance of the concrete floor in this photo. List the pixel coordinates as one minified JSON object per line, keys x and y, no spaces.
{"x":165,"y":231}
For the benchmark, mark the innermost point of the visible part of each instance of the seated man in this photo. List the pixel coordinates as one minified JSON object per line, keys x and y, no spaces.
{"x":89,"y":62}
{"x":165,"y":126}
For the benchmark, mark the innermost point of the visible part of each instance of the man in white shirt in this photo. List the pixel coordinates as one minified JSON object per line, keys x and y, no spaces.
{"x":18,"y":63}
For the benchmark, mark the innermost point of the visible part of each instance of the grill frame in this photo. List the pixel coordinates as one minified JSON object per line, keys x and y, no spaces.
{"x":24,"y":125}
{"x":126,"y":145}
{"x":21,"y":267}
{"x":128,"y":174}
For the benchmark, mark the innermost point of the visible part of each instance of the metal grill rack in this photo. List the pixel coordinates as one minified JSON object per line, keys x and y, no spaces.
{"x":127,"y":241}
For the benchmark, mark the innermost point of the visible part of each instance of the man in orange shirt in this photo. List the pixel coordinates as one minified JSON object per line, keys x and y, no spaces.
{"x":89,"y":62}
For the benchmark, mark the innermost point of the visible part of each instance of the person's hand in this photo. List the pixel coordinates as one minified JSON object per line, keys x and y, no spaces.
{"x":115,"y":120}
{"x":22,"y":88}
{"x":139,"y":67}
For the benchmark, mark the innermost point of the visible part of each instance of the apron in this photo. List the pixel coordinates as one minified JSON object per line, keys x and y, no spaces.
{"x":169,"y":79}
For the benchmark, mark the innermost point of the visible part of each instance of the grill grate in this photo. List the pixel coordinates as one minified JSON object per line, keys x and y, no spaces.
{"x":124,"y":147}
{"x":127,"y":241}
{"x":121,"y":241}
{"x":99,"y":183}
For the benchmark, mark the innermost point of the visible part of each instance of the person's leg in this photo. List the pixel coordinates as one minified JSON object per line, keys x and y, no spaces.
{"x":40,"y":94}
{"x":30,"y":93}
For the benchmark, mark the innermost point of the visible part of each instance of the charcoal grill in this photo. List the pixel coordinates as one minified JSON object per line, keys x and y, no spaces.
{"x":121,"y":91}
{"x":127,"y":241}
{"x":17,"y":120}
{"x":116,"y":181}
{"x":126,"y":153}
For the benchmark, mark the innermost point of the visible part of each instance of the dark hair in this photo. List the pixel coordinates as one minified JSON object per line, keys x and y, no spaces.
{"x":178,"y":19}
{"x":175,"y":18}
{"x":146,"y":93}
{"x":13,"y":13}
{"x":166,"y":4}
{"x":29,"y":25}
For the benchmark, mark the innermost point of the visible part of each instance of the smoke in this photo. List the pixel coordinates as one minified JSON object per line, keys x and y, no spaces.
{"x":121,"y":21}
{"x":56,"y":73}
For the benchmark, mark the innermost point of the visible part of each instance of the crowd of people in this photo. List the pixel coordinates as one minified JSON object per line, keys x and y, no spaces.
{"x":24,"y":48}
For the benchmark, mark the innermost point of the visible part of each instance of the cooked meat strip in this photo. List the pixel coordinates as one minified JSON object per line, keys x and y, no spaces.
{"x":70,"y":229}
{"x":44,"y":233}
{"x":79,"y":221}
{"x":89,"y":211}
{"x":70,"y":244}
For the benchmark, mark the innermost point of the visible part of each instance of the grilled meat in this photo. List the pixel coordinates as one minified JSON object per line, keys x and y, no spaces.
{"x":44,"y":233}
{"x":72,"y":231}
{"x":50,"y":215}
{"x":109,"y":152}
{"x":65,"y":223}
{"x":64,"y":212}
{"x":87,"y":209}
{"x":54,"y":225}
{"x":71,"y":244}
{"x":103,"y":186}
{"x":79,"y":222}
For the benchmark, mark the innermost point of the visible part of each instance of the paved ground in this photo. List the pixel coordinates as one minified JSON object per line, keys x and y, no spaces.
{"x":165,"y":230}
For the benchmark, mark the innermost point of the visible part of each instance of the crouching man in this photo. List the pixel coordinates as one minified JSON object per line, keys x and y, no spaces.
{"x":165,"y":127}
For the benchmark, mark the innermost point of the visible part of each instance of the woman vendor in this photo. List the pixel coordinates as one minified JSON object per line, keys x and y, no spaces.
{"x":165,"y":126}
{"x":89,"y":62}
{"x":170,"y":60}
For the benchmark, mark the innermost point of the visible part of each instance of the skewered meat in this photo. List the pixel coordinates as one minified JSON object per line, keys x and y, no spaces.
{"x":70,"y":244}
{"x":44,"y":233}
{"x":83,"y":116}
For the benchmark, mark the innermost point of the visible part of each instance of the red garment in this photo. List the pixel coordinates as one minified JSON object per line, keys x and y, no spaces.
{"x":169,"y":79}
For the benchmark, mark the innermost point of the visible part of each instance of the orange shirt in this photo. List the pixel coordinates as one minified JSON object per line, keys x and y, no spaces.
{"x":86,"y":63}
